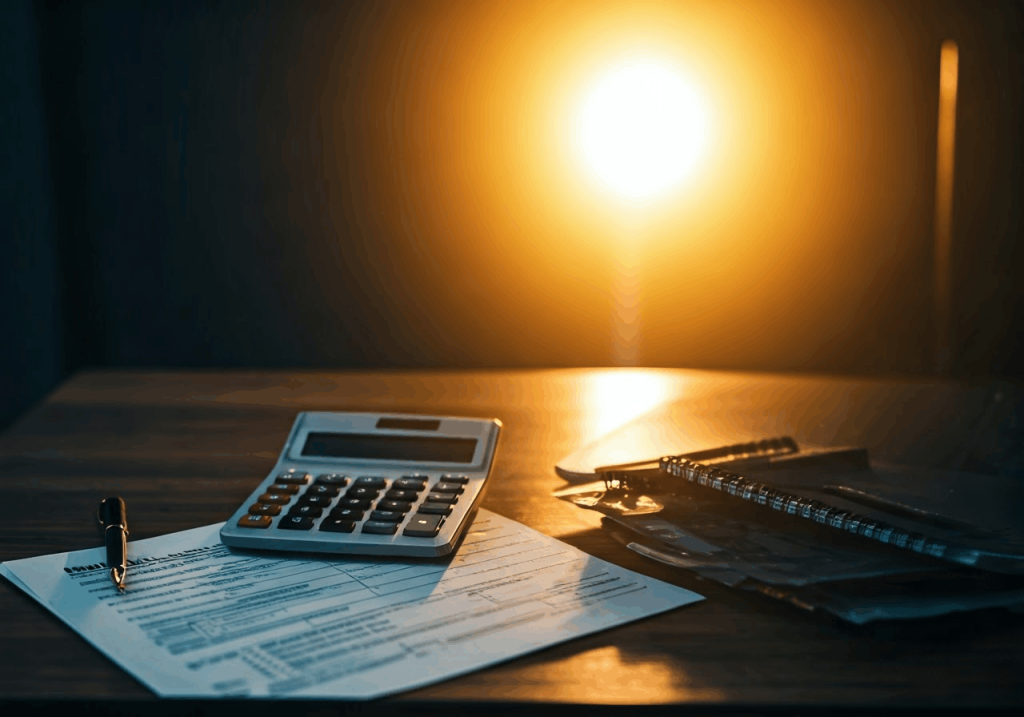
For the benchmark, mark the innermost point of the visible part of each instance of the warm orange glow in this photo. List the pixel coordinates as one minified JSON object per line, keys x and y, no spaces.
{"x":948,"y":71}
{"x":798,"y":213}
{"x":642,"y":128}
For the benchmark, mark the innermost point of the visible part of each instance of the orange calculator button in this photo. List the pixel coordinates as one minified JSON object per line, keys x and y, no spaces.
{"x":254,"y":521}
{"x":264,"y":509}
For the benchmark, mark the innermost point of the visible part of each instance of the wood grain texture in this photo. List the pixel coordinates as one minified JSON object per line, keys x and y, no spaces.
{"x":184,"y":449}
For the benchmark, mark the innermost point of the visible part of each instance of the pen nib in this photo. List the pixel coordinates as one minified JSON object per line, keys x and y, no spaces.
{"x":117,"y":575}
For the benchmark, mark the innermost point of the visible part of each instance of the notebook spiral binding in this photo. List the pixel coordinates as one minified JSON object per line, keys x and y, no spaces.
{"x":851,"y":522}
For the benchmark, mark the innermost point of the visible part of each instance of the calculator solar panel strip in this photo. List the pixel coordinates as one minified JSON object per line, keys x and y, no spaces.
{"x":360,"y":447}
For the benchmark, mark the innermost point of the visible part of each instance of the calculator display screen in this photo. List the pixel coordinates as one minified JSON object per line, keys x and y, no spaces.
{"x":393,"y":448}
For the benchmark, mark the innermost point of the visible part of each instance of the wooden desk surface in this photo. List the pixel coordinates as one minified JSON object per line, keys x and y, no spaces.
{"x":185,"y":448}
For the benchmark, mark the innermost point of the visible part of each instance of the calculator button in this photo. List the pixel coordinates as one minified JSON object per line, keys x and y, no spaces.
{"x":423,"y":526}
{"x":346,"y":514}
{"x":283,"y":488}
{"x":387,"y":516}
{"x":293,"y":477}
{"x":264,"y":509}
{"x":361,"y":492}
{"x":275,"y":498}
{"x":447,"y":487}
{"x":380,"y":527}
{"x":402,"y":506}
{"x":370,"y":482}
{"x":338,"y":525}
{"x":435,"y":508}
{"x":318,"y":489}
{"x":410,"y":495}
{"x":443,"y":497}
{"x":306,"y":511}
{"x":357,"y":503}
{"x":254,"y":521}
{"x":462,"y":480}
{"x":408,"y":483}
{"x":295,"y":522}
{"x":321,"y":501}
{"x":332,"y":479}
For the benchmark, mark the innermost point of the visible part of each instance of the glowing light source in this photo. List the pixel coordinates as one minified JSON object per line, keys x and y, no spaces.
{"x":948,"y":71}
{"x":642,"y":129}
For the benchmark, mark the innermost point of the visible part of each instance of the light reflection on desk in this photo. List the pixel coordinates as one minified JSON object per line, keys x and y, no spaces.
{"x":610,"y":399}
{"x":623,"y":679}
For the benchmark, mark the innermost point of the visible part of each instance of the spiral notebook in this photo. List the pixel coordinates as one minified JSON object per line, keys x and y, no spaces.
{"x":823,"y":529}
{"x":968,"y":519}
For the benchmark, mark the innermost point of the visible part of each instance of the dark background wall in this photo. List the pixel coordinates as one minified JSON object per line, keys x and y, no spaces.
{"x":364,"y":184}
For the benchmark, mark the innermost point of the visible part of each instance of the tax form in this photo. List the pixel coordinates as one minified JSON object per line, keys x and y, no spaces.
{"x":199,"y":619}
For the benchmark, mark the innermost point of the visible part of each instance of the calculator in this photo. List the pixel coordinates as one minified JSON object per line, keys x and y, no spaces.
{"x":396,"y":485}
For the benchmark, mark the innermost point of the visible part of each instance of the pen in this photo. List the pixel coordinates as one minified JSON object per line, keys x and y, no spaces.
{"x":114,"y":521}
{"x":767,"y":454}
{"x":646,"y":471}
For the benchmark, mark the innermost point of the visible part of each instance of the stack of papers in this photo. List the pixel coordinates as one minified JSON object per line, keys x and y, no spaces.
{"x":199,"y":619}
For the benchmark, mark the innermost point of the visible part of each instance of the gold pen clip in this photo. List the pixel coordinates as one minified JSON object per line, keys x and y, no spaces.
{"x":112,"y":514}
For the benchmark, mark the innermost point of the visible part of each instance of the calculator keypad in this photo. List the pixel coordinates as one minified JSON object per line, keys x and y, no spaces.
{"x":380,"y":505}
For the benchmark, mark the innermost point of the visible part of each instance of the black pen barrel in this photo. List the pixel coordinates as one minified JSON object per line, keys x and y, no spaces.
{"x":112,"y":512}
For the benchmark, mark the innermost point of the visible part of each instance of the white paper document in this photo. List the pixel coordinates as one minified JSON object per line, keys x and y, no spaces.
{"x":200,"y":619}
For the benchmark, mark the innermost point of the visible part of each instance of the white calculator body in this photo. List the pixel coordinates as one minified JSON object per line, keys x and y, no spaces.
{"x":369,"y":484}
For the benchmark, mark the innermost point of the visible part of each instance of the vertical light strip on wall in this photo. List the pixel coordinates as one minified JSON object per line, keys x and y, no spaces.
{"x":626,"y":300}
{"x":942,"y":279}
